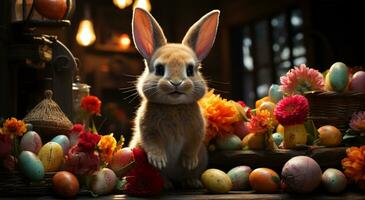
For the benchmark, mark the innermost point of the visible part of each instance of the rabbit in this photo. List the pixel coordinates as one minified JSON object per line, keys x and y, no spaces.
{"x":169,"y":123}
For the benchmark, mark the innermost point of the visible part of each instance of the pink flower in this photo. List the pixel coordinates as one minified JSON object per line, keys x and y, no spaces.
{"x":80,"y":162}
{"x":301,"y":79}
{"x":357,"y":122}
{"x":292,"y":110}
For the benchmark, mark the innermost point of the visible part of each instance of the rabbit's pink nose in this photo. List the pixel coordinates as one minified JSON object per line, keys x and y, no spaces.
{"x":175,"y":82}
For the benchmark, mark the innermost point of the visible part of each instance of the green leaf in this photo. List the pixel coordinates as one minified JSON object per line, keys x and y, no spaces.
{"x":311,"y":129}
{"x":349,"y":136}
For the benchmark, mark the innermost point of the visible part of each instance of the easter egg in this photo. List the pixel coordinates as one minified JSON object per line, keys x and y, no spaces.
{"x":103,"y":182}
{"x":264,"y":180}
{"x":228,"y":142}
{"x":52,"y":9}
{"x":31,"y":141}
{"x":65,"y":184}
{"x":278,"y":138}
{"x":338,"y":77}
{"x":122,"y":158}
{"x":29,"y":126}
{"x":240,"y":129}
{"x":329,"y":136}
{"x":301,"y":174}
{"x":333,"y":180}
{"x":267,"y":105}
{"x":262,"y":100}
{"x":51,"y":155}
{"x":216,"y":181}
{"x":275,"y":94}
{"x":280,"y":129}
{"x":254,"y":141}
{"x":31,"y":166}
{"x":357,"y":82}
{"x":63,"y":141}
{"x":239,"y":177}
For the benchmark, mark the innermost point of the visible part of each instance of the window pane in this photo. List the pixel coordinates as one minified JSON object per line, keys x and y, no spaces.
{"x":300,"y":60}
{"x":246,"y":49}
{"x":280,"y":45}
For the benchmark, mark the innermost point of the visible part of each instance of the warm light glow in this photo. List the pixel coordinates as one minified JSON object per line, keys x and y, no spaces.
{"x":145,"y":4}
{"x":85,"y":35}
{"x":124,"y":41}
{"x":122,"y":3}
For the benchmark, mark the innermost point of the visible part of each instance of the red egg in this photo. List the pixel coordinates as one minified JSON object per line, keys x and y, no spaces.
{"x":52,"y":9}
{"x":65,"y":184}
{"x":264,"y":180}
{"x":121,"y":160}
{"x":358,"y":82}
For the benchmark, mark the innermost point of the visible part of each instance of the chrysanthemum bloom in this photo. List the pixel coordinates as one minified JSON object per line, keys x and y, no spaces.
{"x":301,"y":79}
{"x":14,"y":127}
{"x":354,"y":165}
{"x":80,"y":162}
{"x":291,"y":112}
{"x":91,"y":104}
{"x":220,"y":113}
{"x":357,"y":122}
{"x":261,"y":122}
{"x":106,"y":147}
{"x":88,"y":141}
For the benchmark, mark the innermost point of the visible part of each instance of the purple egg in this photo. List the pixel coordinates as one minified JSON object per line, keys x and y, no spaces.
{"x":31,"y":141}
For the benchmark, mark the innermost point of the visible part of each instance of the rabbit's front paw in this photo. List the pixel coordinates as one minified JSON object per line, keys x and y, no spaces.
{"x":158,"y":160}
{"x":190,"y":162}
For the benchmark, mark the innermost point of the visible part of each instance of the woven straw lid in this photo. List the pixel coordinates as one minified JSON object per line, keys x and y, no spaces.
{"x":48,"y":118}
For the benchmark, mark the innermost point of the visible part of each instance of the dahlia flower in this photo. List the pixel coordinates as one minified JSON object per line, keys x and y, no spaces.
{"x":220,"y":113}
{"x":292,"y":110}
{"x":91,"y":104}
{"x":106,"y":147}
{"x":301,"y":79}
{"x":261,"y":122}
{"x":357,"y":122}
{"x":14,"y":127}
{"x":354,"y":165}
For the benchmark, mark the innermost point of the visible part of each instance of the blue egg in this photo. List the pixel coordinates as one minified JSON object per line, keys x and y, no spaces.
{"x":275,"y":93}
{"x":229,"y":142}
{"x":63,"y":141}
{"x":29,"y":126}
{"x":338,"y":76}
{"x":31,"y":166}
{"x":278,"y":138}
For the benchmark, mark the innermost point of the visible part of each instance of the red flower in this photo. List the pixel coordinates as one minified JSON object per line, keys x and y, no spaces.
{"x":88,"y":141}
{"x":292,"y":110}
{"x":5,"y":145}
{"x":143,"y":180}
{"x":81,"y":163}
{"x":91,"y":104}
{"x":78,"y":128}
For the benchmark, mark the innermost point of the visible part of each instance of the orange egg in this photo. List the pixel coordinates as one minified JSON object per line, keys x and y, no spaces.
{"x":65,"y":184}
{"x":264,"y":180}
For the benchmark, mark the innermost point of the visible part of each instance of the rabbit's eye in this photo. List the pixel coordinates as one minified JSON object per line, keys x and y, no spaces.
{"x":190,"y":70}
{"x":159,"y":70}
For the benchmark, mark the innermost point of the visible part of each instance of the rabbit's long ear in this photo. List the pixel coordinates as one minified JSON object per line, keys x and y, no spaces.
{"x":147,"y":33}
{"x":200,"y":37}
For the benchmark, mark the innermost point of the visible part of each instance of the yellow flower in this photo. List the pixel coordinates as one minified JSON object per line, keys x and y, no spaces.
{"x":106,"y":146}
{"x":220,"y":113}
{"x":14,"y":127}
{"x":262,"y":121}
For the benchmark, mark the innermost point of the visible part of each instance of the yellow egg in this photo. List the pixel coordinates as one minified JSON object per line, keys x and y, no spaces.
{"x":216,"y":181}
{"x":254,"y":141}
{"x":267,"y":105}
{"x":329,"y":136}
{"x":51,"y":155}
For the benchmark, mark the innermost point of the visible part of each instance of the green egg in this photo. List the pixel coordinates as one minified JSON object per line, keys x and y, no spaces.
{"x":338,"y":76}
{"x":228,"y":142}
{"x":31,"y":166}
{"x":278,"y":138}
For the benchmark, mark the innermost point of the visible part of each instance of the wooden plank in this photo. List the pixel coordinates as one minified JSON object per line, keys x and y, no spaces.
{"x":326,"y":157}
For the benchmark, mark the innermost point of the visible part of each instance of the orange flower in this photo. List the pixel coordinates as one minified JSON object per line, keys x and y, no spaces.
{"x":14,"y":127}
{"x":220,"y":113}
{"x":262,"y":121}
{"x":91,"y":104}
{"x":354,"y":164}
{"x":106,"y":147}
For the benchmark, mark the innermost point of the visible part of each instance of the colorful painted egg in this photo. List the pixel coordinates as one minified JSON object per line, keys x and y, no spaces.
{"x":31,"y":166}
{"x":254,"y":141}
{"x":275,"y":93}
{"x":329,"y":136}
{"x":301,"y":174}
{"x":51,"y":155}
{"x":337,"y":77}
{"x":228,"y":142}
{"x":264,"y":180}
{"x":122,"y":158}
{"x":31,"y":141}
{"x":65,"y":184}
{"x":357,"y":82}
{"x":333,"y":180}
{"x":63,"y":141}
{"x":216,"y":181}
{"x":103,"y":182}
{"x":239,"y":177}
{"x":278,"y":138}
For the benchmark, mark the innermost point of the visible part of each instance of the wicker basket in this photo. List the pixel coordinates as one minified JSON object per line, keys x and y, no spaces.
{"x":15,"y":184}
{"x":332,"y":108}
